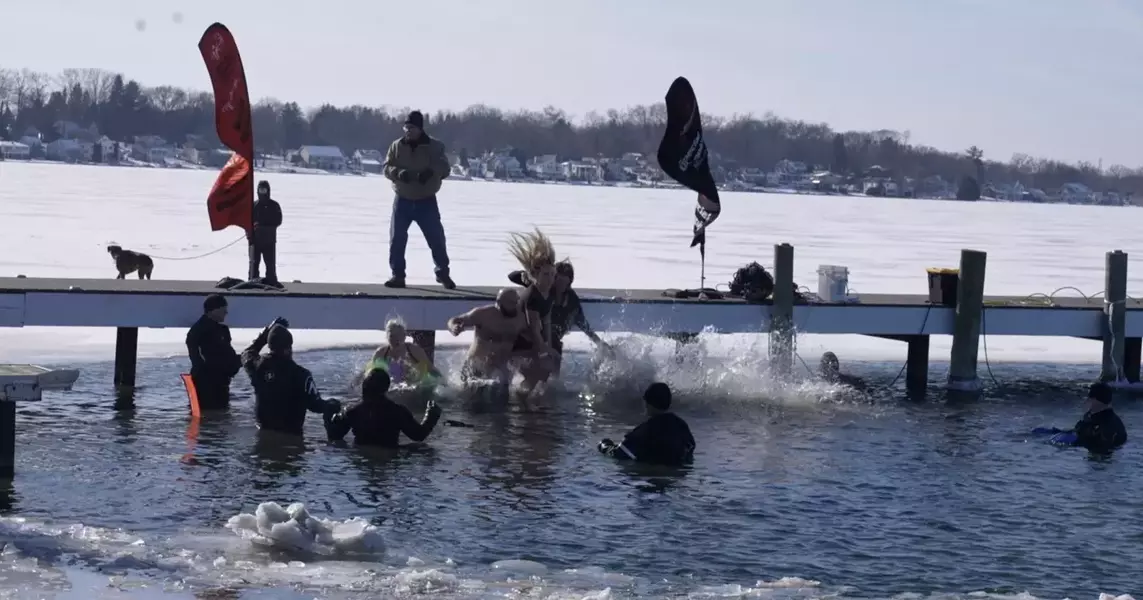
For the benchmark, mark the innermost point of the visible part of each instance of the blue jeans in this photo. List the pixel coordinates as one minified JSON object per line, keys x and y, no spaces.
{"x":427,"y":215}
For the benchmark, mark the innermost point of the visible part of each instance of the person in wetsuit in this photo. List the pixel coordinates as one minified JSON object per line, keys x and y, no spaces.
{"x":378,"y":421}
{"x":213,"y":359}
{"x":1100,"y":430}
{"x":283,"y":389}
{"x":663,"y":439}
{"x":830,"y":369}
{"x":566,"y":311}
{"x":533,"y":350}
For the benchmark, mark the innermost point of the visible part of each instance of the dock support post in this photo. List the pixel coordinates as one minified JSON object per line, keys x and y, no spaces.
{"x":1115,"y":316}
{"x":782,"y":310}
{"x":427,"y":340}
{"x":1132,"y":352}
{"x":7,"y":438}
{"x":967,"y":322}
{"x":917,"y":365}
{"x":126,"y":355}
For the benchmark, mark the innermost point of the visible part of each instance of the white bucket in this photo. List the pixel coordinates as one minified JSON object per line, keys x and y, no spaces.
{"x":833,"y":283}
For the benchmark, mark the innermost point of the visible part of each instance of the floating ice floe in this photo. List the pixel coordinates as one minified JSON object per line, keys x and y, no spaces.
{"x":294,"y":529}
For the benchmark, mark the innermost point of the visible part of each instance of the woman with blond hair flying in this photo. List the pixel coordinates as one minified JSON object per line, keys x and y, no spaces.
{"x":536,"y":255}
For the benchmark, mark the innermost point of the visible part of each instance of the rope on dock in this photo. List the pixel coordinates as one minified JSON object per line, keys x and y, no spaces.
{"x":216,"y":251}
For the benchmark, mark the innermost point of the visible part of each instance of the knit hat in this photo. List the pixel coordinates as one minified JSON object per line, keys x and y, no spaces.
{"x":279,"y":338}
{"x":213,"y":302}
{"x":416,"y":119}
{"x":1100,"y":392}
{"x":658,"y":395}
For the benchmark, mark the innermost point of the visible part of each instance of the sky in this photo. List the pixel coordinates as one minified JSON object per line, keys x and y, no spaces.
{"x":1049,"y":78}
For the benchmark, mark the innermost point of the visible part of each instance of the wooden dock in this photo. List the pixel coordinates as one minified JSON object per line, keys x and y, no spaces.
{"x":128,"y":305}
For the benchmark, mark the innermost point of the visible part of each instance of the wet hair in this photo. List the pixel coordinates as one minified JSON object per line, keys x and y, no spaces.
{"x":565,"y":268}
{"x":532,"y":250}
{"x":375,"y":384}
{"x":658,"y":395}
{"x":395,"y":322}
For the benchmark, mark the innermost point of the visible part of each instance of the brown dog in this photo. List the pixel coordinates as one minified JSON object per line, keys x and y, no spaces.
{"x":129,"y":261}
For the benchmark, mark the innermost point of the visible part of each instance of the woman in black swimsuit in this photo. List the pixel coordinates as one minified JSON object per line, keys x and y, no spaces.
{"x":566,"y":309}
{"x":534,"y":252}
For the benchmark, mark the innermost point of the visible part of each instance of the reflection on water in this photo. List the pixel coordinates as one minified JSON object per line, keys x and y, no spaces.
{"x":884,"y":493}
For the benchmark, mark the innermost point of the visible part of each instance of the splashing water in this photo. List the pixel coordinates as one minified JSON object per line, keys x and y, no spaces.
{"x":738,"y":372}
{"x":293,"y":529}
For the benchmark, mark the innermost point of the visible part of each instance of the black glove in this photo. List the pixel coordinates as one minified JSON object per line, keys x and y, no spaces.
{"x":424,"y":176}
{"x":404,"y":176}
{"x":606,"y":446}
{"x":332,"y":407}
{"x":280,"y":321}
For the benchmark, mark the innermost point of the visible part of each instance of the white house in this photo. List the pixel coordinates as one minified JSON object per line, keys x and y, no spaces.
{"x":328,"y":158}
{"x":1075,"y":193}
{"x":545,"y":167}
{"x":369,"y":161}
{"x":15,"y":151}
{"x":581,"y":171}
{"x":65,"y":150}
{"x":107,"y":149}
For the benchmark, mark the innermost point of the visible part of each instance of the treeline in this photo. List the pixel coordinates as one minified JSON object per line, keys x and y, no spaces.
{"x":122,"y":108}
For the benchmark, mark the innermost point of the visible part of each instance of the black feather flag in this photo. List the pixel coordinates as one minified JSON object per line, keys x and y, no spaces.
{"x":683,"y":156}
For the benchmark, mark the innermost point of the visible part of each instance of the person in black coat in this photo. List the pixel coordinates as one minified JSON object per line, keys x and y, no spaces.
{"x":283,"y":390}
{"x":1100,"y":430}
{"x":663,"y":439}
{"x":264,"y":240}
{"x":378,"y":421}
{"x":213,"y":360}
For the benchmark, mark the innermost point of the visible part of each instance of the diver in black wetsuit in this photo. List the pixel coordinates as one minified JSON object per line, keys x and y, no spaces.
{"x":213,"y":359}
{"x":1100,"y":430}
{"x":663,"y":439}
{"x":283,"y":389}
{"x":566,"y":308}
{"x":377,"y":420}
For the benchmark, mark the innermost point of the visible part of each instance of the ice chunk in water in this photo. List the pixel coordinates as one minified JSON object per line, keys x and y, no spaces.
{"x":294,"y":529}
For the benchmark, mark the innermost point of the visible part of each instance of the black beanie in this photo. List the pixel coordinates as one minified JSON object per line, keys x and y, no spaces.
{"x":264,"y":184}
{"x":212,"y":302}
{"x":375,"y":384}
{"x":658,"y":395}
{"x":1100,"y":392}
{"x":416,"y":119}
{"x":279,"y":338}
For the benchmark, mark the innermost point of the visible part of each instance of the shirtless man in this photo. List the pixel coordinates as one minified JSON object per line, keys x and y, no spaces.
{"x":496,"y":328}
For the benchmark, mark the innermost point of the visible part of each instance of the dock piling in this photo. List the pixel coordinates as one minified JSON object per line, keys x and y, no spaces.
{"x":126,"y":355}
{"x":917,"y":364}
{"x":782,"y":311}
{"x":427,"y":340}
{"x":1132,"y":352}
{"x":967,"y":322}
{"x":1114,"y":324}
{"x":7,"y":438}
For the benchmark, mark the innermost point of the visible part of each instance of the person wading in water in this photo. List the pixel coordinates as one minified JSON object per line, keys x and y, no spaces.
{"x":403,"y":360}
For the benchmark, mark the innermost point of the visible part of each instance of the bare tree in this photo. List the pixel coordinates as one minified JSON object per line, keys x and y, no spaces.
{"x":167,"y":98}
{"x":97,"y":82}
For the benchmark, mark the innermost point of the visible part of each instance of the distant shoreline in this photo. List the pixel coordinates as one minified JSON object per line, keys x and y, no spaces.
{"x":294,"y":170}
